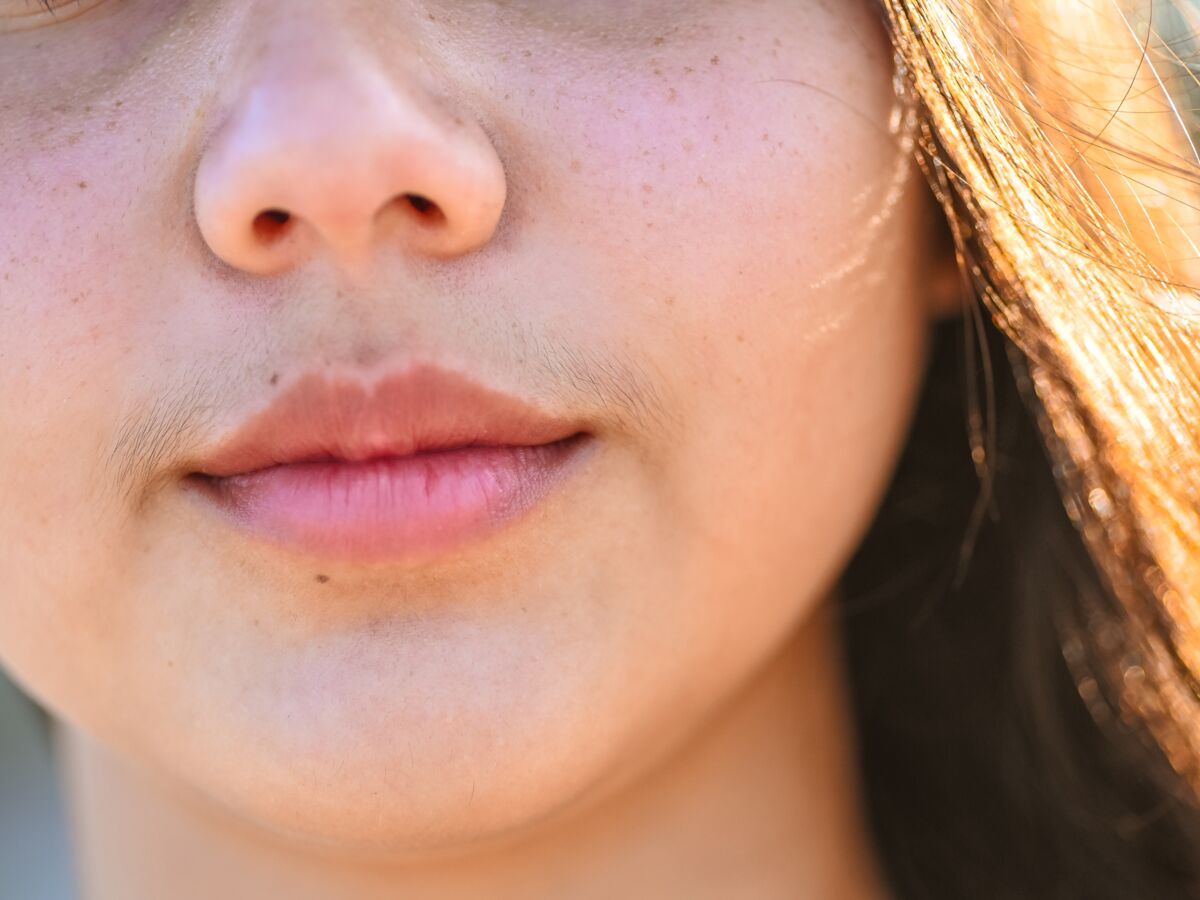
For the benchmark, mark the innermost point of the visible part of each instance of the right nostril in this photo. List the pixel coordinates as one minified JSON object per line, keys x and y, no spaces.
{"x":271,"y":224}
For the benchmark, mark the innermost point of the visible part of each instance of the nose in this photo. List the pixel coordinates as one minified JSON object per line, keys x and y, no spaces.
{"x":323,"y":151}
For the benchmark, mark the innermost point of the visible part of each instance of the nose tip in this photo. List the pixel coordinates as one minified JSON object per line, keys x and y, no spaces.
{"x":347,"y":166}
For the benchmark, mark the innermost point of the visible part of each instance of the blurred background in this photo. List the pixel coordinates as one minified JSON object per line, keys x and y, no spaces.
{"x":35,"y":860}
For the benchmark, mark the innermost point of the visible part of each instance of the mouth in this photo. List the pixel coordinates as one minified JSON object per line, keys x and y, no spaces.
{"x":419,"y":465}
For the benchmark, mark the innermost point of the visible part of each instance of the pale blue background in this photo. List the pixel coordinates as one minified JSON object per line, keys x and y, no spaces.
{"x":35,"y":857}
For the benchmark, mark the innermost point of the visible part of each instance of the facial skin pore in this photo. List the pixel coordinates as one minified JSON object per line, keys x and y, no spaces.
{"x":690,"y":223}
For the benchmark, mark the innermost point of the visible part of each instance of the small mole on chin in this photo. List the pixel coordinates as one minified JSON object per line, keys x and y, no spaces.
{"x":322,"y":579}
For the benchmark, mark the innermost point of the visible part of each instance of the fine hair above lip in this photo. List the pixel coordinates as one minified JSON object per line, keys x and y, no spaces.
{"x":422,"y":408}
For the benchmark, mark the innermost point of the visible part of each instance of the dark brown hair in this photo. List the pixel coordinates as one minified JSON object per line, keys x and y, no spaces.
{"x":1023,"y":678}
{"x":984,"y":773}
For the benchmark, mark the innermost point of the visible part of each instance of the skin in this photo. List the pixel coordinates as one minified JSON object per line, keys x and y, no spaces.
{"x":688,"y":223}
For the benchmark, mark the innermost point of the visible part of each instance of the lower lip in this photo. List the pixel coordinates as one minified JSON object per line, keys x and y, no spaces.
{"x":395,"y":508}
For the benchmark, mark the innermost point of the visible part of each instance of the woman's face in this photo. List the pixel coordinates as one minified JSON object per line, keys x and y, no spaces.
{"x":690,"y":226}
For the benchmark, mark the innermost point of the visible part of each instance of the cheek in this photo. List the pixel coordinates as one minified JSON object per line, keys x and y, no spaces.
{"x":60,"y":318}
{"x":721,"y":143}
{"x":758,"y":222}
{"x":77,"y":234}
{"x":94,"y":199}
{"x":70,"y":291}
{"x":798,"y":398}
{"x":749,"y":190}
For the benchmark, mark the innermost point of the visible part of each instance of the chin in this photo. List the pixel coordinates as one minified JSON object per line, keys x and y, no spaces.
{"x":404,"y":765}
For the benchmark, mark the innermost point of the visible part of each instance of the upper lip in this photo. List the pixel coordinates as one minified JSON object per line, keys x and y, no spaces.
{"x":423,"y":408}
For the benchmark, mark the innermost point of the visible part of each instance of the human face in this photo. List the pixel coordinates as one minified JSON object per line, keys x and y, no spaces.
{"x":688,"y":226}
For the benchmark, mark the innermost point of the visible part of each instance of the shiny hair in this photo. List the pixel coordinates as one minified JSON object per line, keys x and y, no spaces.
{"x":1029,"y":697}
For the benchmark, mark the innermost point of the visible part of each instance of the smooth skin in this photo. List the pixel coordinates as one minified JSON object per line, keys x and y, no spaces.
{"x":695,"y":224}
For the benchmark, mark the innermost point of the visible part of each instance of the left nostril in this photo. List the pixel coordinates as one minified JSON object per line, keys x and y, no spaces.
{"x":423,"y":205}
{"x":271,"y":224}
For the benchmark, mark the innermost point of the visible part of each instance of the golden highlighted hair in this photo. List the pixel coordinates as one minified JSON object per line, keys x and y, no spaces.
{"x":1060,"y":137}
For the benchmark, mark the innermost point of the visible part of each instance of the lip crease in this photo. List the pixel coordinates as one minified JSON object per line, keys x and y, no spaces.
{"x":419,"y":463}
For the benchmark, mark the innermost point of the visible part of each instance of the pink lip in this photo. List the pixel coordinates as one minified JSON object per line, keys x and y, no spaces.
{"x":418,"y":464}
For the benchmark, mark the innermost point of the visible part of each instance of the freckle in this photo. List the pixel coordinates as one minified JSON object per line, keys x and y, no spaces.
{"x":275,"y":378}
{"x":323,"y":579}
{"x":77,"y":298}
{"x":119,"y":104}
{"x":647,"y":189}
{"x":670,"y":301}
{"x":658,"y":71}
{"x":74,"y":139}
{"x":672,"y":95}
{"x":700,"y":181}
{"x":527,"y":53}
{"x":171,"y":663}
{"x":659,"y":41}
{"x":716,"y":60}
{"x":576,"y":166}
{"x":766,"y":137}
{"x":741,"y":339}
{"x":256,"y":623}
{"x":110,"y":125}
{"x":83,"y":185}
{"x":688,"y":70}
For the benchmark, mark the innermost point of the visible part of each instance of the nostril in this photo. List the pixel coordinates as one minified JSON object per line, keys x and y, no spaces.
{"x":271,"y":224}
{"x":422,"y":204}
{"x":426,"y":208}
